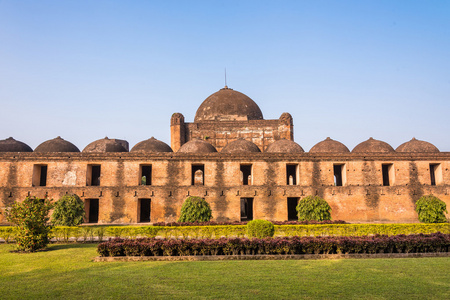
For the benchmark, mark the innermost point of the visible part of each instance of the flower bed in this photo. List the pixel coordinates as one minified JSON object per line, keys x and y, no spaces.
{"x":420,"y":243}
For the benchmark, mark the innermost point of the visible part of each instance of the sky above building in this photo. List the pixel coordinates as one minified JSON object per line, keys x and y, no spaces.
{"x":348,"y":70}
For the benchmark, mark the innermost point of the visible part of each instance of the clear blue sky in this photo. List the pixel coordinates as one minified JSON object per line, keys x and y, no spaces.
{"x":349,"y":70}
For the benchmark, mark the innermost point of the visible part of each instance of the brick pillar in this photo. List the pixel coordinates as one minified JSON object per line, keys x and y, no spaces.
{"x":286,"y":127}
{"x":177,"y":131}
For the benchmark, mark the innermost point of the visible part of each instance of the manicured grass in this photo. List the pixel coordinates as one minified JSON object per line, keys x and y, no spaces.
{"x":67,"y":271}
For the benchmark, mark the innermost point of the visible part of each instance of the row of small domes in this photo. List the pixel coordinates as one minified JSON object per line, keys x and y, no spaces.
{"x":153,"y":145}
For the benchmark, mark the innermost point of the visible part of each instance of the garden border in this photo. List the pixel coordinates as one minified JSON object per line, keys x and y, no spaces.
{"x":269,"y":257}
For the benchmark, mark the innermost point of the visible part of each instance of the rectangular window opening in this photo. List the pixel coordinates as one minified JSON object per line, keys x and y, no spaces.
{"x":246,"y":209}
{"x":145,"y":177}
{"x":93,"y":175}
{"x":246,"y":175}
{"x":91,"y":209}
{"x":291,"y":174}
{"x":292,"y":208}
{"x":39,"y":175}
{"x":388,"y":174}
{"x":435,"y":174}
{"x":144,"y":208}
{"x":197,"y":174}
{"x":339,"y":174}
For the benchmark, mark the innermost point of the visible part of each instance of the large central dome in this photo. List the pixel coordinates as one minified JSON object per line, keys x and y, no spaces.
{"x":228,"y":105}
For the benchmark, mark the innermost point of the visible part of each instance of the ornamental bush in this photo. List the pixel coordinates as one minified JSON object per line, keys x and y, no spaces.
{"x":260,"y":229}
{"x":313,"y":208}
{"x":69,"y":211}
{"x":431,"y":209}
{"x":31,"y":218}
{"x":420,"y":243}
{"x":195,"y":209}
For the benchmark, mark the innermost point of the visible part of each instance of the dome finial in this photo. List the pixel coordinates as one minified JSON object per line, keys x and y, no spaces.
{"x":226,"y":86}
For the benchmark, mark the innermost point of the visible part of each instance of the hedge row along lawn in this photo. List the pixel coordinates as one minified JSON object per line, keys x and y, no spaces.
{"x":66,"y":271}
{"x":89,"y":233}
{"x":416,"y":243}
{"x":310,"y":222}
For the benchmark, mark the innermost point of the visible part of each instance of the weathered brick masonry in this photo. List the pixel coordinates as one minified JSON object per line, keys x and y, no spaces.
{"x":259,"y":171}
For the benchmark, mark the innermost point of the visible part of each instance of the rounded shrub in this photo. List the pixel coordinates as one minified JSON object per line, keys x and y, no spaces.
{"x":260,"y":229}
{"x":195,"y":209}
{"x":431,"y":209}
{"x":313,"y":208}
{"x":31,"y":220}
{"x":69,"y":211}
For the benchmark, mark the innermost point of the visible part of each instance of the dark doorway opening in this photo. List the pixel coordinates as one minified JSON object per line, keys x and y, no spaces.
{"x":432,"y":174}
{"x":246,"y":174}
{"x":43,"y":177}
{"x":435,"y":174}
{"x":385,"y":171}
{"x":146,"y":175}
{"x":246,"y":209}
{"x":145,"y":210}
{"x":39,"y":175}
{"x":93,"y":210}
{"x":292,"y":208}
{"x":95,"y":175}
{"x":338,"y":175}
{"x":291,"y":174}
{"x":197,"y":174}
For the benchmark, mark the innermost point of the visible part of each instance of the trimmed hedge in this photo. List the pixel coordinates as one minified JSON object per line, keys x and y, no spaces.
{"x":94,"y":233}
{"x":211,"y":223}
{"x":436,"y":242}
{"x":260,"y":229}
{"x":360,"y":229}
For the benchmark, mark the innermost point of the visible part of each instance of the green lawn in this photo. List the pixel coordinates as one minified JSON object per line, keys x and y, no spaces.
{"x":66,"y":271}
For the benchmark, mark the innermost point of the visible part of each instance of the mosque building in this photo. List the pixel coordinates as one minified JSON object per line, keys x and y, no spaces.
{"x":245,"y":167}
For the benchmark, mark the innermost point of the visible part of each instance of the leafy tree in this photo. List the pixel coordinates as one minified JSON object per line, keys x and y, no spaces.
{"x":31,"y":218}
{"x":260,"y":229}
{"x":431,"y":209}
{"x":195,"y":209}
{"x":69,"y":211}
{"x":313,"y":208}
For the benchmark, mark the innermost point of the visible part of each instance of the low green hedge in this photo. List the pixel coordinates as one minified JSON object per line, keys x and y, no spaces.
{"x":260,"y":229}
{"x":360,"y":229}
{"x":94,"y":233}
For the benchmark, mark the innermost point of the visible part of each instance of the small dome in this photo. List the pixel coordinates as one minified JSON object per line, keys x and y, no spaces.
{"x":417,"y":146}
{"x":374,"y":146}
{"x":56,"y":145}
{"x":197,"y":146}
{"x":107,"y":145}
{"x":228,"y":105}
{"x":284,"y":146}
{"x":240,"y":146}
{"x":151,"y":145}
{"x":11,"y":145}
{"x":329,"y":146}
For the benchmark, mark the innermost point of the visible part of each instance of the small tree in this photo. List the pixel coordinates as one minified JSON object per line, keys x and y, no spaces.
{"x":69,"y":211}
{"x":195,"y":209}
{"x":431,"y":209}
{"x":313,"y":208}
{"x":31,"y":218}
{"x":260,"y":229}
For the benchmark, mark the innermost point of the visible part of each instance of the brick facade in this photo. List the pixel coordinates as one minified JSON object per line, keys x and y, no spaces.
{"x":373,"y":183}
{"x":362,"y":198}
